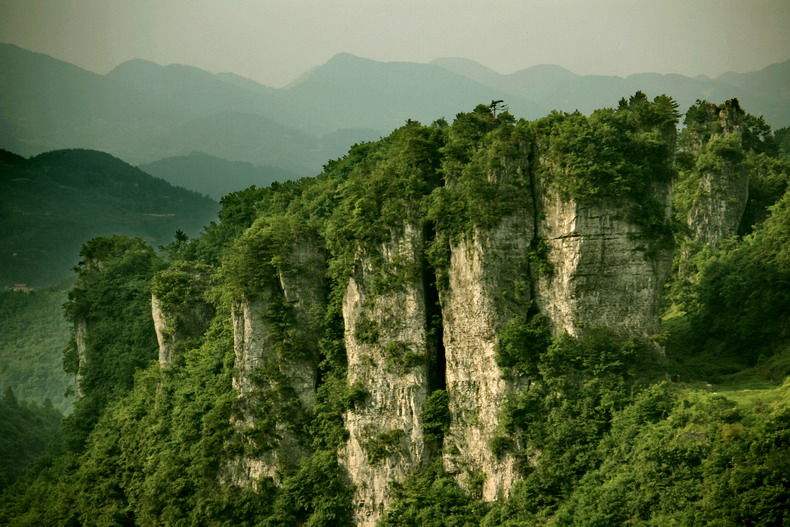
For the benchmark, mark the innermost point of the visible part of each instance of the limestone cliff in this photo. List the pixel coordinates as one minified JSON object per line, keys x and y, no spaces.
{"x":80,"y":342}
{"x":179,"y":309}
{"x":385,"y":336}
{"x":177,"y":327}
{"x":488,"y":285}
{"x":719,"y":180}
{"x":605,"y":269}
{"x":720,"y":204}
{"x":275,"y":336}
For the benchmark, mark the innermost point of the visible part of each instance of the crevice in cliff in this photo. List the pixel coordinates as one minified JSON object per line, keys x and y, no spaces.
{"x":535,"y":243}
{"x":433,"y":318}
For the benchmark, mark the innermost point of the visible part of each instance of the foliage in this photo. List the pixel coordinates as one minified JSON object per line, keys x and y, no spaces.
{"x":487,"y":168}
{"x":554,"y":423}
{"x":112,"y":299}
{"x":769,"y":178}
{"x":33,"y":333}
{"x":382,"y":189}
{"x":435,"y":417}
{"x":383,"y":445}
{"x":621,"y":155}
{"x":319,"y":494}
{"x":27,"y":432}
{"x":599,"y":434}
{"x":432,"y":498}
{"x":521,"y":343}
{"x":741,"y":303}
{"x":400,"y":358}
{"x":697,"y":458}
{"x":366,"y":331}
{"x":52,"y":203}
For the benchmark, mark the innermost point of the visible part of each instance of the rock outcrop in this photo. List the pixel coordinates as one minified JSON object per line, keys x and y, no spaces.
{"x":488,"y":286}
{"x":720,"y":178}
{"x":721,"y":201}
{"x":81,"y":344}
{"x":386,"y":343}
{"x":275,"y":337}
{"x":605,"y":270}
{"x":177,"y":327}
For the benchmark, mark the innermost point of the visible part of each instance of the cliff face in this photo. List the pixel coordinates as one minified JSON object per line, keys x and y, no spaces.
{"x":604,"y":269}
{"x":80,"y":340}
{"x":165,"y":333}
{"x":720,"y":204}
{"x":488,"y":285}
{"x":304,"y":290}
{"x":177,"y":326}
{"x":276,"y":372}
{"x":720,"y":182}
{"x":386,"y":346}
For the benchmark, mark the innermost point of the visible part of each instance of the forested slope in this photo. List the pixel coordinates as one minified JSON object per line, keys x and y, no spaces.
{"x":33,"y":334}
{"x":313,"y":370}
{"x":52,"y":203}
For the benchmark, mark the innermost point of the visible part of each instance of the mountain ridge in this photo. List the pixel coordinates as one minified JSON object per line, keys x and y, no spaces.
{"x":197,"y":171}
{"x":51,"y":203}
{"x":140,"y":110}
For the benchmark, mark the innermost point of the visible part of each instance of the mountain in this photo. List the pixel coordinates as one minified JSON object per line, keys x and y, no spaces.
{"x":214,"y":176}
{"x":548,"y":342}
{"x":142,"y":111}
{"x":354,"y":92}
{"x":551,"y":87}
{"x":49,"y":104}
{"x":193,"y":91}
{"x":248,"y":137}
{"x":51,"y":203}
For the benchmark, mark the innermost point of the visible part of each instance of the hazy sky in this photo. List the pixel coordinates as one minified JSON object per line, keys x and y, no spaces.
{"x":275,"y":41}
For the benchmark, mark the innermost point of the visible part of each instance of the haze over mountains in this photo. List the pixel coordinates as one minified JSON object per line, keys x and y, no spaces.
{"x":198,"y":171}
{"x":142,"y":111}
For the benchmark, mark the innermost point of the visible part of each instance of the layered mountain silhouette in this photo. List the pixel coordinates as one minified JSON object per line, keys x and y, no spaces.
{"x":214,"y":176}
{"x":549,"y":87}
{"x":142,"y":111}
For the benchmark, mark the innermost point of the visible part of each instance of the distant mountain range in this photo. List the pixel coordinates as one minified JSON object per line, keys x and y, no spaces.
{"x":142,"y":111}
{"x":50,"y":204}
{"x":214,"y":176}
{"x":548,"y":87}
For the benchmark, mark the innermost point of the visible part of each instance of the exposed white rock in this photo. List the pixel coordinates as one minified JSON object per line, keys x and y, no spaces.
{"x":81,"y":342}
{"x":395,"y":395}
{"x":488,"y":284}
{"x":604,"y":270}
{"x":165,"y":333}
{"x":256,"y":339}
{"x":720,"y":202}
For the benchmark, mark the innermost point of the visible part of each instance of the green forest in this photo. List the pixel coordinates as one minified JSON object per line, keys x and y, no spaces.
{"x":34,"y":333}
{"x":53,"y":202}
{"x":688,"y":424}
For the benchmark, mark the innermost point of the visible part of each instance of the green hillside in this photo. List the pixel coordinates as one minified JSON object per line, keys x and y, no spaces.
{"x":688,"y":424}
{"x":28,"y":432}
{"x":33,"y":335}
{"x":52,"y":203}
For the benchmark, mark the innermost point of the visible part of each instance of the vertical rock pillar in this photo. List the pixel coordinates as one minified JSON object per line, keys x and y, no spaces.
{"x":489,"y":284}
{"x":387,"y":349}
{"x":275,"y":335}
